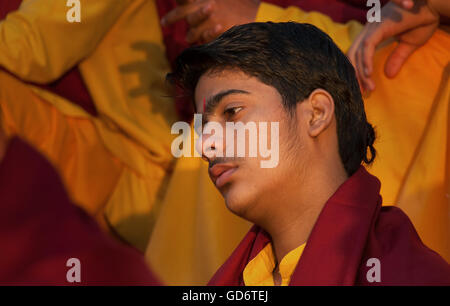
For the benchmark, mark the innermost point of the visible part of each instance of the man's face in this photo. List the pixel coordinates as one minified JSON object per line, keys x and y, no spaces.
{"x":250,"y":190}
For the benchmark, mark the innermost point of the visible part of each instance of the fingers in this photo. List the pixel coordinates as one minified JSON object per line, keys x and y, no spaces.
{"x":366,"y":83}
{"x":211,"y":34}
{"x":354,"y":55}
{"x":361,"y":54}
{"x":411,"y":29}
{"x":197,"y":14}
{"x":200,"y":15}
{"x":181,"y":12}
{"x":406,"y":4}
{"x":203,"y":33}
{"x":397,"y":58}
{"x":351,"y":54}
{"x":368,"y":46}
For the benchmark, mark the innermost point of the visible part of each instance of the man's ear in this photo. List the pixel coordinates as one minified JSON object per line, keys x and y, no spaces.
{"x":317,"y":111}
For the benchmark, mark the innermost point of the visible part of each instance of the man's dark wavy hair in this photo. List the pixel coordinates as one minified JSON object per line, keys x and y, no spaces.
{"x":295,"y":59}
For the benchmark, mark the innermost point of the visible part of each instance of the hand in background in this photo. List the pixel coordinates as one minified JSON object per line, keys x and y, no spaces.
{"x":406,"y":4}
{"x":412,"y":28}
{"x":208,"y":19}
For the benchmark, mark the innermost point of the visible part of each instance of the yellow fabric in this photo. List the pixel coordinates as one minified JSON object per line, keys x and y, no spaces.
{"x":26,"y":114}
{"x":123,"y":63}
{"x":411,"y":116}
{"x":259,"y":271}
{"x":38,"y":43}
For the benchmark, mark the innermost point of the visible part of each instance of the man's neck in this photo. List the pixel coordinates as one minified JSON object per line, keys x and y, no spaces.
{"x":301,"y":210}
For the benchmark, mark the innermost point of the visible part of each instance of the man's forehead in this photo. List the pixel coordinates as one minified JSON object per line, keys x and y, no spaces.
{"x":213,"y":84}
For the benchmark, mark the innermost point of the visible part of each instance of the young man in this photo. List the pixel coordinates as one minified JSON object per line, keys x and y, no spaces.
{"x":410,"y":113}
{"x":317,"y":214}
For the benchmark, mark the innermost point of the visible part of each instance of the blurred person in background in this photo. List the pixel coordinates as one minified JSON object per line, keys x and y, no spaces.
{"x":45,"y":238}
{"x":90,"y":96}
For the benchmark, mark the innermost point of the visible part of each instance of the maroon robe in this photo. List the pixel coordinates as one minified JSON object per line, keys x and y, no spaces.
{"x":40,"y":230}
{"x":352,"y":228}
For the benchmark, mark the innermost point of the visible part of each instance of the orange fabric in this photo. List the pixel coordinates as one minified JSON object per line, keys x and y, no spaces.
{"x":412,"y":121}
{"x":72,"y":144}
{"x":123,"y":155}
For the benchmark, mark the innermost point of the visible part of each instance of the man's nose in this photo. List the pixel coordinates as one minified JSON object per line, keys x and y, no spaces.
{"x":210,"y":145}
{"x":208,"y":153}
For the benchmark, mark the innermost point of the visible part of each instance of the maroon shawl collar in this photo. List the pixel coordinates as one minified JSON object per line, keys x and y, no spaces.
{"x":336,"y":244}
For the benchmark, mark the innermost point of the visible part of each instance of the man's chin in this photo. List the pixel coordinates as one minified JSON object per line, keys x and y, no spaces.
{"x":237,"y":202}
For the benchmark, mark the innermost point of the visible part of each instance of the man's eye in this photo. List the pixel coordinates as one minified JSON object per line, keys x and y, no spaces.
{"x":229,"y":112}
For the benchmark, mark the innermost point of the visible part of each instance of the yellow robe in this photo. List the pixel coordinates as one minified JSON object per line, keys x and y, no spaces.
{"x":115,"y":164}
{"x":412,"y":118}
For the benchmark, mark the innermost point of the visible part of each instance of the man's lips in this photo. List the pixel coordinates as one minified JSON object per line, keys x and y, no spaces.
{"x":220,"y":173}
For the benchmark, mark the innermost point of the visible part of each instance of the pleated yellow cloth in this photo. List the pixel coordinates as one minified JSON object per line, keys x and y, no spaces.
{"x":118,"y":163}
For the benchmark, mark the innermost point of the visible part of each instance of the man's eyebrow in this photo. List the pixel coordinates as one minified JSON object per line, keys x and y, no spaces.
{"x":211,"y":103}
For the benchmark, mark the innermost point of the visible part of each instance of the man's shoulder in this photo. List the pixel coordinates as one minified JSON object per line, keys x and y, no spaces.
{"x":404,"y":258}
